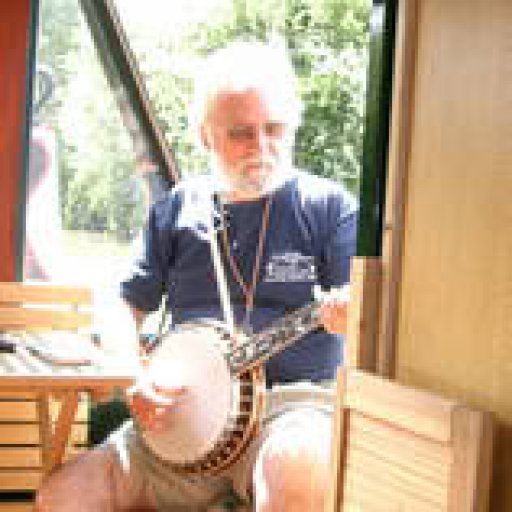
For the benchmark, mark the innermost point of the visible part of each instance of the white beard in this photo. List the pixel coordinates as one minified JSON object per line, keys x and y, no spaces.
{"x":247,"y":188}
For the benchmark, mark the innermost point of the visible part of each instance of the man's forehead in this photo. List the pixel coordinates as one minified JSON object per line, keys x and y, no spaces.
{"x":257,"y":104}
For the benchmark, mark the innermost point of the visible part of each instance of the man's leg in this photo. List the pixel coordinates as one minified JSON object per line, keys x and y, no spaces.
{"x":291,"y":472}
{"x":96,"y":481}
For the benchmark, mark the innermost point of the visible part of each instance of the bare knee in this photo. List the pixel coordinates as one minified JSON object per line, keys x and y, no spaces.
{"x":292,"y":469}
{"x":82,"y":484}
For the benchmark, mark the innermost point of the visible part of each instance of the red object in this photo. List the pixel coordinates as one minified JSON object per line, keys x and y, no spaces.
{"x":14,"y":37}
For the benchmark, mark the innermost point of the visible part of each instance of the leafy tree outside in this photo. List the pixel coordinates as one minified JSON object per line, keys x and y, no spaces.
{"x":327,"y":40}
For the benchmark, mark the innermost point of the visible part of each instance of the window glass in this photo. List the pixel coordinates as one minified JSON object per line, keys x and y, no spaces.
{"x":327,"y":40}
{"x":85,"y":202}
{"x":85,"y":205}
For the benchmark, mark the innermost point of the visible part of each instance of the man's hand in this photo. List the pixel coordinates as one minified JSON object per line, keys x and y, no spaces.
{"x":152,"y":406}
{"x":333,"y":316}
{"x":333,"y":309}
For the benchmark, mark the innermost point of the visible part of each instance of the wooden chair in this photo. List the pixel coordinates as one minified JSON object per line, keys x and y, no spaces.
{"x":27,"y":419}
{"x":401,"y":449}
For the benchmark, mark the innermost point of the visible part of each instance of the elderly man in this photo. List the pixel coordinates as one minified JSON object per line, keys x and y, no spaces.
{"x":282,"y":233}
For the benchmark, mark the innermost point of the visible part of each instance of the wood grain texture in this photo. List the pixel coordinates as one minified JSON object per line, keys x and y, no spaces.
{"x":16,"y":506}
{"x":397,"y":448}
{"x":43,"y":405}
{"x":402,"y":113}
{"x":16,"y":293}
{"x":363,"y":311}
{"x":454,"y":312}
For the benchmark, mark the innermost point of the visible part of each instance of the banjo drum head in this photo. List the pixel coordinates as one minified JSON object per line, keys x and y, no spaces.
{"x":192,"y":357}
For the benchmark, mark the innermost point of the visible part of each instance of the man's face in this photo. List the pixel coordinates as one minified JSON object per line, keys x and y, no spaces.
{"x":250,"y":141}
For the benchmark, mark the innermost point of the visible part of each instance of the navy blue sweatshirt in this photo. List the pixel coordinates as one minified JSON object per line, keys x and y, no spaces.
{"x":310,"y":238}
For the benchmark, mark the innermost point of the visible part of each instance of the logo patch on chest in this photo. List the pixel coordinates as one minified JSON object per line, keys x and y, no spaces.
{"x":290,"y":267}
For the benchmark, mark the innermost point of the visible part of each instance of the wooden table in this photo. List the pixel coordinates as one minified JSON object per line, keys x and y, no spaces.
{"x":24,"y":371}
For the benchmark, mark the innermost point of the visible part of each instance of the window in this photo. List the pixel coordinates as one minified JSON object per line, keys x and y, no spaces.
{"x":86,"y":202}
{"x":85,"y":205}
{"x":327,"y":40}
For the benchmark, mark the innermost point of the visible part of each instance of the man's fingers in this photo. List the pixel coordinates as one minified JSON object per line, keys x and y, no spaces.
{"x":169,"y":392}
{"x":159,"y":395}
{"x":152,"y":405}
{"x":334,"y":316}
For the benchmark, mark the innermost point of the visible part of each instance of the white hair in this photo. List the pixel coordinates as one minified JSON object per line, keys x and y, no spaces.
{"x":243,"y":66}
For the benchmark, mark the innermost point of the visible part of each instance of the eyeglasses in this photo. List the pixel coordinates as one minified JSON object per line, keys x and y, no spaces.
{"x":248,"y":132}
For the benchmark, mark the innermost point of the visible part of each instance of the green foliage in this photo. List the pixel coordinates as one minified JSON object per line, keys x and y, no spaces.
{"x":95,"y":157}
{"x":101,"y":194}
{"x":58,"y":42}
{"x":327,"y":40}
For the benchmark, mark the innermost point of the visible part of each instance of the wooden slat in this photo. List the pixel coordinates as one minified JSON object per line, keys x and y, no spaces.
{"x":402,"y":449}
{"x":362,"y":320}
{"x":398,"y":466}
{"x":21,"y":434}
{"x":28,"y":434}
{"x":82,"y":414}
{"x":16,"y":506}
{"x":18,"y":411}
{"x":20,"y":480}
{"x":27,"y":414}
{"x":469,"y":490}
{"x":62,"y":428}
{"x":396,"y":186}
{"x":408,"y":408}
{"x":26,"y":410}
{"x":44,"y":294}
{"x":30,"y":417}
{"x":19,"y":457}
{"x":17,"y":395}
{"x":335,"y":489}
{"x":12,"y":318}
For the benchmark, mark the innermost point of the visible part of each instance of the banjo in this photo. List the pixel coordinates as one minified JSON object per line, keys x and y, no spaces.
{"x":224,"y":377}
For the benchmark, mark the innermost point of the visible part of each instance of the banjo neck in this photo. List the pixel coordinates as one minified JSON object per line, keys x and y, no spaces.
{"x":258,"y":348}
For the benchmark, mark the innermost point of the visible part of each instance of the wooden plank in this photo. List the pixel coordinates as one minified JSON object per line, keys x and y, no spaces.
{"x":62,"y":429}
{"x":29,"y":434}
{"x":18,"y":411}
{"x":384,"y":458}
{"x":19,"y":457}
{"x":20,"y":480}
{"x":26,"y":319}
{"x":90,"y":380}
{"x":44,"y":294}
{"x":473,"y":440}
{"x":17,"y":395}
{"x":40,"y":308}
{"x":26,"y":410}
{"x":335,"y":492}
{"x":22,"y":434}
{"x":16,"y":506}
{"x":454,"y":319}
{"x":45,"y":431}
{"x":412,"y":409}
{"x":399,"y":448}
{"x":362,"y":320}
{"x":396,"y":186}
{"x":82,"y":413}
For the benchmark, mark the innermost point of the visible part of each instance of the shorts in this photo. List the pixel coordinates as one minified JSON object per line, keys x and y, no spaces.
{"x":230,"y":489}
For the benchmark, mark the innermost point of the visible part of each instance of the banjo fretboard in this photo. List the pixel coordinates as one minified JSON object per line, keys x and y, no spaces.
{"x":256,"y":349}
